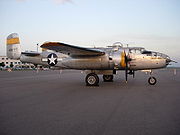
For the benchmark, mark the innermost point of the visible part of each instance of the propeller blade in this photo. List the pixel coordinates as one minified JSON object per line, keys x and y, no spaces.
{"x":126,"y":75}
{"x":127,"y":59}
{"x":126,"y":68}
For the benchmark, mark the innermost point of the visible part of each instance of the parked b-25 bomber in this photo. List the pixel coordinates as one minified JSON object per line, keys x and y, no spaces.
{"x":94,"y":61}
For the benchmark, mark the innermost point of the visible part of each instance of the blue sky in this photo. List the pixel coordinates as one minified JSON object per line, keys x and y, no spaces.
{"x":153,"y":24}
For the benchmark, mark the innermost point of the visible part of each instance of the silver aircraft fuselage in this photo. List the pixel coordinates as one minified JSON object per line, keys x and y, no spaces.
{"x":113,"y":59}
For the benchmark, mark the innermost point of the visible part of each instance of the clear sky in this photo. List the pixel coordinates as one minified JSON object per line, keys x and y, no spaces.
{"x":153,"y":24}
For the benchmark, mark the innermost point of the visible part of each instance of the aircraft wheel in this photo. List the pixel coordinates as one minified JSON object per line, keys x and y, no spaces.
{"x":92,"y":79}
{"x":152,"y":80}
{"x":108,"y":78}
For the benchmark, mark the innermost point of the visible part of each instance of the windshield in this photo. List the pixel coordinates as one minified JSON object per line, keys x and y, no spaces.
{"x":155,"y":54}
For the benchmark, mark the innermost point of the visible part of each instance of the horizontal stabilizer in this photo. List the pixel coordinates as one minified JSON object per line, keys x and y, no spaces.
{"x":32,"y":54}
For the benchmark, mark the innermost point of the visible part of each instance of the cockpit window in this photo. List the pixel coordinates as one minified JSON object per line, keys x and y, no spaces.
{"x":154,"y":54}
{"x":162,"y":55}
{"x":147,"y":52}
{"x":135,"y":51}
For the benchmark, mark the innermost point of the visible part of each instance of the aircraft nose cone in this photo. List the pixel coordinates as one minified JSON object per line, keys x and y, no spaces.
{"x":168,"y":60}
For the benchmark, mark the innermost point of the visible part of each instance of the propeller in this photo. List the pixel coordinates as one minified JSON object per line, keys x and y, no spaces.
{"x":127,"y":59}
{"x":126,"y":67}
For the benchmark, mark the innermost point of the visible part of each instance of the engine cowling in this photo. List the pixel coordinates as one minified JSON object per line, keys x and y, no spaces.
{"x":119,"y":59}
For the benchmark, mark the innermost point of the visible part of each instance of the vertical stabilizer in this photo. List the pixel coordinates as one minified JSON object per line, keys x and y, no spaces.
{"x":13,"y":49}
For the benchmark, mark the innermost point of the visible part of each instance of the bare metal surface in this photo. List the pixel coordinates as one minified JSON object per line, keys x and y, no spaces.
{"x":50,"y":103}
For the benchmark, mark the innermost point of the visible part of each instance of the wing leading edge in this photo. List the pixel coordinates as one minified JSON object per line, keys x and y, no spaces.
{"x":73,"y":51}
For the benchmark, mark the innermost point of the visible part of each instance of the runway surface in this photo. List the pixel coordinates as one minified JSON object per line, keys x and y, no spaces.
{"x":49,"y":103}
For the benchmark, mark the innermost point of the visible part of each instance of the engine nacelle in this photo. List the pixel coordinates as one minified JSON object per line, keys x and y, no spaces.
{"x":118,"y":58}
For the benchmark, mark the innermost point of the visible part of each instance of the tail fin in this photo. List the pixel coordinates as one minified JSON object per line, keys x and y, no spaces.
{"x":13,"y":49}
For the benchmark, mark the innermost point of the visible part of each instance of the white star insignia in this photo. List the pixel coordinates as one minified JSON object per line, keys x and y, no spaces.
{"x":52,"y":59}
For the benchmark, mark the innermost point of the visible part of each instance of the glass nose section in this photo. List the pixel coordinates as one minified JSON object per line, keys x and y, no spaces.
{"x":164,"y":56}
{"x":168,"y":60}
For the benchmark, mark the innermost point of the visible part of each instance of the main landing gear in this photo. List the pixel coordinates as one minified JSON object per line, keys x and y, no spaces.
{"x":108,"y":78}
{"x":92,"y":79}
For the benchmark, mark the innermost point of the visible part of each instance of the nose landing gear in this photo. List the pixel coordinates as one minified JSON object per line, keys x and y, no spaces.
{"x":152,"y":80}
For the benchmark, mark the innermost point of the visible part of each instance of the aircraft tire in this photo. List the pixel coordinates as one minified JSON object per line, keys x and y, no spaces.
{"x":108,"y":78}
{"x":92,"y":79}
{"x":152,"y":80}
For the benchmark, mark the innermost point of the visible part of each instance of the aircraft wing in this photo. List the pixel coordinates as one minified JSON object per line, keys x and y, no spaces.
{"x":73,"y":51}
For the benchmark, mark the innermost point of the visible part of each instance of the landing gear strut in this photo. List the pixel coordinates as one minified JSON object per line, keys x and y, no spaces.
{"x":92,"y":79}
{"x":108,"y":78}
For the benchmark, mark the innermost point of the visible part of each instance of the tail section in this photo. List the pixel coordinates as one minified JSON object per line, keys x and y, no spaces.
{"x":13,"y":49}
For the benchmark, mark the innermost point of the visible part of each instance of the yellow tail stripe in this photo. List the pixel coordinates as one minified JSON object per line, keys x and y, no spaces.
{"x":12,"y":41}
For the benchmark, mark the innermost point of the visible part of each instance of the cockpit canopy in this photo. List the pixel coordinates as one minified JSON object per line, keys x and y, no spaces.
{"x":140,"y":50}
{"x":155,"y":54}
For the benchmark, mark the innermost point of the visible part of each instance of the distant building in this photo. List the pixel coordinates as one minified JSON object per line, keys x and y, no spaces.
{"x":15,"y":63}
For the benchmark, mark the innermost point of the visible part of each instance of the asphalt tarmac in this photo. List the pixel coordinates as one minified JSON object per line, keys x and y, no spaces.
{"x":50,"y":103}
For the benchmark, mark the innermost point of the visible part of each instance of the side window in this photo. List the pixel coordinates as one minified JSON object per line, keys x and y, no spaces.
{"x":138,"y":52}
{"x":132,"y":51}
{"x":154,"y":54}
{"x":147,"y":53}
